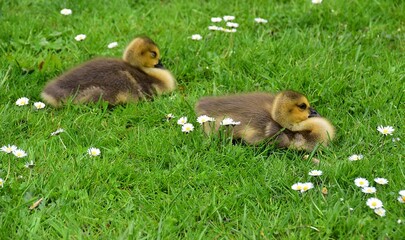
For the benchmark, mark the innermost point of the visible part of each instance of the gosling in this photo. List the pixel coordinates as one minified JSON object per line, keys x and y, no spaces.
{"x":138,"y":75}
{"x":284,"y":119}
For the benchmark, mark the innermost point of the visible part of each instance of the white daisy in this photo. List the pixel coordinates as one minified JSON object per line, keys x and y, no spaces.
{"x":196,"y":37}
{"x":307,"y":186}
{"x":66,"y":11}
{"x":39,"y":105}
{"x":316,"y":1}
{"x":1,"y":182}
{"x":22,"y":101}
{"x":380,"y":212}
{"x":374,"y":203}
{"x":297,"y":186}
{"x":388,"y":130}
{"x":355,"y":157}
{"x":369,"y":190}
{"x":59,"y":130}
{"x":112,"y":45}
{"x":396,"y":139}
{"x":187,"y":127}
{"x":30,"y":164}
{"x":361,"y":182}
{"x":93,"y":152}
{"x":204,"y":118}
{"x":401,"y":198}
{"x":216,"y":19}
{"x":232,"y":24}
{"x":260,"y":20}
{"x":182,"y":121}
{"x":80,"y":37}
{"x":229,"y":30}
{"x":302,"y":187}
{"x":381,"y":181}
{"x":399,"y":221}
{"x":19,"y":153}
{"x":229,"y":18}
{"x":229,"y":121}
{"x":315,"y":173}
{"x":215,"y":28}
{"x":9,"y":148}
{"x":169,"y":116}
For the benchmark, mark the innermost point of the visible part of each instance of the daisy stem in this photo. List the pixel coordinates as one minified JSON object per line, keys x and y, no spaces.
{"x":62,"y":143}
{"x":8,"y":169}
{"x":384,"y":140}
{"x":29,"y":177}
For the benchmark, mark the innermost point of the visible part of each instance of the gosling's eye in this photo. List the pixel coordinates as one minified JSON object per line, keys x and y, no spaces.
{"x":153,"y":54}
{"x":303,"y":106}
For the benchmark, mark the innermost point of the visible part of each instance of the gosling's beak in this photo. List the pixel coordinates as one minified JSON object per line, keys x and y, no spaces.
{"x":313,"y":113}
{"x":159,"y":65}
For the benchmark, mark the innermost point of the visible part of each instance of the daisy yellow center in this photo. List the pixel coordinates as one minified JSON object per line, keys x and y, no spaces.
{"x":373,"y":204}
{"x":403,"y":198}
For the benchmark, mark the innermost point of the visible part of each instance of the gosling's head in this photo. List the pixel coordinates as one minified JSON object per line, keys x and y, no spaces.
{"x":290,"y":108}
{"x":142,"y":52}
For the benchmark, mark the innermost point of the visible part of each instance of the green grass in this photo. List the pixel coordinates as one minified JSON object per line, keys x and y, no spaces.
{"x":154,"y":182}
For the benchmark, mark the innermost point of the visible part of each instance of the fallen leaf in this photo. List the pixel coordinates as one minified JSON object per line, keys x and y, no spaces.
{"x":35,"y":204}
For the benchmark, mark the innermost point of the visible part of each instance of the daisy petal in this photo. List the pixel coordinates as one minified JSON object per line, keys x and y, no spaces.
{"x":9,"y":148}
{"x":182,"y":121}
{"x":381,"y":181}
{"x":112,"y":45}
{"x":187,"y":127}
{"x":66,"y":11}
{"x":196,"y":37}
{"x":19,"y":153}
{"x":388,"y":130}
{"x":374,"y":203}
{"x":260,"y":20}
{"x":93,"y":152}
{"x":39,"y":105}
{"x":361,"y":182}
{"x":80,"y":37}
{"x":22,"y":101}
{"x":315,"y":173}
{"x":380,"y":212}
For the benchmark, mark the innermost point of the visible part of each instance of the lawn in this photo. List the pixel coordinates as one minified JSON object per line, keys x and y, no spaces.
{"x":151,"y":180}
